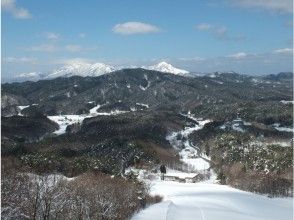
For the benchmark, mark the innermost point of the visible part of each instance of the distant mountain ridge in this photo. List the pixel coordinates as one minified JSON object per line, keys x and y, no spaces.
{"x":123,"y":89}
{"x":93,"y":70}
{"x":81,"y":69}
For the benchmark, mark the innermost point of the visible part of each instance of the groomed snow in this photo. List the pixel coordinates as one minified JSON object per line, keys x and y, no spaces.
{"x":207,"y":200}
{"x":64,"y":120}
{"x":185,"y":201}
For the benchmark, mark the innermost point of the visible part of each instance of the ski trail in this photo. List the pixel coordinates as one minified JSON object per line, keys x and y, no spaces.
{"x":202,"y":213}
{"x":207,"y":200}
{"x":176,"y":210}
{"x":170,"y":211}
{"x":190,"y":201}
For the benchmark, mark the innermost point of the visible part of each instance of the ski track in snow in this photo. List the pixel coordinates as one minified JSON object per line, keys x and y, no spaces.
{"x":185,"y":201}
{"x":208,"y":200}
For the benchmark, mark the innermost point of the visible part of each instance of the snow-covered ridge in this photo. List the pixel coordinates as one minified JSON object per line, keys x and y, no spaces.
{"x":81,"y":69}
{"x":167,"y":68}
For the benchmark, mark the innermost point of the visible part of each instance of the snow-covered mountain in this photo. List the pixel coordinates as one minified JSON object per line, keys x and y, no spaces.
{"x":78,"y":68}
{"x":167,"y":68}
{"x":81,"y":69}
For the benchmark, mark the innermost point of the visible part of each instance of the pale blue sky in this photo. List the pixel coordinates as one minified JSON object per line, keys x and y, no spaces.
{"x":252,"y":37}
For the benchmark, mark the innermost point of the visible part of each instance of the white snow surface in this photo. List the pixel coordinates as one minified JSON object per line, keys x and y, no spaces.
{"x":142,"y":87}
{"x":237,"y":125}
{"x":191,"y":157}
{"x":207,"y":200}
{"x":172,"y":138}
{"x":285,"y":129}
{"x":22,"y":107}
{"x":64,"y":120}
{"x":196,"y":163}
{"x":77,"y":67}
{"x":81,"y":69}
{"x":188,"y":152}
{"x":167,"y":68}
{"x":204,"y":201}
{"x":94,"y":109}
{"x":287,"y":102}
{"x":142,"y":104}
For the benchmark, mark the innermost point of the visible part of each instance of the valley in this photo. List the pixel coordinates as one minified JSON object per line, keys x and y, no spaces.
{"x":222,"y":135}
{"x":147,"y":110}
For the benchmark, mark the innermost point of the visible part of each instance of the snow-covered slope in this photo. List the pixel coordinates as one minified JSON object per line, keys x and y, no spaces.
{"x":212,"y":201}
{"x":81,"y":69}
{"x":207,"y":200}
{"x":167,"y":68}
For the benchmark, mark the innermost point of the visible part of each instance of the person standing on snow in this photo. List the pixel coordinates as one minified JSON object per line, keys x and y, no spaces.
{"x":163,"y":171}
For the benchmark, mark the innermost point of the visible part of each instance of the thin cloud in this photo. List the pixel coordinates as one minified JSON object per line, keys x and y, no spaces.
{"x":51,"y":35}
{"x":73,"y":48}
{"x":28,"y":75}
{"x":192,"y":59}
{"x":81,"y":35}
{"x":133,"y":27}
{"x":204,"y":27}
{"x":219,"y":32}
{"x":44,"y":48}
{"x":283,"y":51}
{"x":289,"y":24}
{"x":239,"y":55}
{"x":20,"y":60}
{"x":73,"y":61}
{"x":51,"y":48}
{"x":17,"y":12}
{"x":248,"y":63}
{"x":284,"y":6}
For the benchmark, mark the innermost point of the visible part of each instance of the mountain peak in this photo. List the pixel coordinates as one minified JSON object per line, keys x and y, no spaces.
{"x":167,"y":68}
{"x":81,"y":69}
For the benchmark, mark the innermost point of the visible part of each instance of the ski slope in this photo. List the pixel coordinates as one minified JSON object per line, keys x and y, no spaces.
{"x":206,"y":201}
